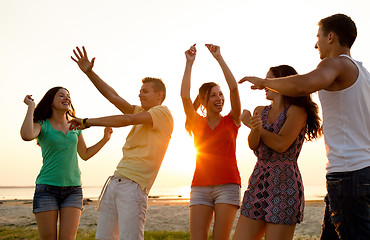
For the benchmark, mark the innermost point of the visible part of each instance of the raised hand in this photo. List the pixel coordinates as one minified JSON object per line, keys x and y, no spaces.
{"x":257,"y":82}
{"x":28,"y":100}
{"x":245,"y":118}
{"x":108,"y":132}
{"x":191,"y":53}
{"x":256,"y":121}
{"x":82,"y":60}
{"x":215,"y":50}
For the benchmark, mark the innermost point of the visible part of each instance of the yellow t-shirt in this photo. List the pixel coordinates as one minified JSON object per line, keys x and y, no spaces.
{"x":145,"y":147}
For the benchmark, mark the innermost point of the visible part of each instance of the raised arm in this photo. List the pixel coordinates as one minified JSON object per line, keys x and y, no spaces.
{"x":30,"y":130}
{"x":107,"y":91}
{"x":87,"y":152}
{"x":231,"y":82}
{"x":185,"y":85}
{"x":322,"y":77}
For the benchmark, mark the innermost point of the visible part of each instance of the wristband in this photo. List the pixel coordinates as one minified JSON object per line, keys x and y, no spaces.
{"x":83,"y":121}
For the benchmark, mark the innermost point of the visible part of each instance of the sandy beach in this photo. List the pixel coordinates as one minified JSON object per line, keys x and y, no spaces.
{"x":162,"y":214}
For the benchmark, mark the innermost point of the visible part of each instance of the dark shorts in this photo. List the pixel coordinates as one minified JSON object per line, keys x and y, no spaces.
{"x":48,"y":197}
{"x":347,"y":212}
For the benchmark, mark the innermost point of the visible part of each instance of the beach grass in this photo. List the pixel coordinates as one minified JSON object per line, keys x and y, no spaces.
{"x":7,"y":233}
{"x":31,"y":233}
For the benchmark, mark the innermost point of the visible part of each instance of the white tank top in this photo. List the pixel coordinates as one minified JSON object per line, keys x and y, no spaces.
{"x":346,"y":124}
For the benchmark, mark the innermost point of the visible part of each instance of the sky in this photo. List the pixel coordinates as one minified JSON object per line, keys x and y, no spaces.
{"x":135,"y":39}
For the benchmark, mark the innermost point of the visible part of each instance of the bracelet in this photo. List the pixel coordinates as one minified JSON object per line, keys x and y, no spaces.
{"x":83,"y":123}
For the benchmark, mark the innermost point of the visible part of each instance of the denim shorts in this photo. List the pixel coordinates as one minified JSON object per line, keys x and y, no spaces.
{"x":347,"y":211}
{"x":48,"y":197}
{"x":210,"y":195}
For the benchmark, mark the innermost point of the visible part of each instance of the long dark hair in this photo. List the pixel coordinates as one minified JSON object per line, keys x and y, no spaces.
{"x":44,"y":108}
{"x":313,"y":129}
{"x":204,"y":92}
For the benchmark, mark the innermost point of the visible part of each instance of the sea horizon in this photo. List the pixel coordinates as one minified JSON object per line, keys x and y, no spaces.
{"x":312,"y":192}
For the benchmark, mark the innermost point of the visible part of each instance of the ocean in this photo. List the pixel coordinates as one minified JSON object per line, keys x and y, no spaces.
{"x":312,"y":192}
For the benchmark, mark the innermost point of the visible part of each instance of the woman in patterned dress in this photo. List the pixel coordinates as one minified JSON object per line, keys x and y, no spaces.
{"x":274,"y":200}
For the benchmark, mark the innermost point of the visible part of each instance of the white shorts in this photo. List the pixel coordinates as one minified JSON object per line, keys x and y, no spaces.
{"x":123,"y":210}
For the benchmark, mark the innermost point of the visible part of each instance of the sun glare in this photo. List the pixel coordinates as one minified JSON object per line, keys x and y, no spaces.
{"x":180,"y":156}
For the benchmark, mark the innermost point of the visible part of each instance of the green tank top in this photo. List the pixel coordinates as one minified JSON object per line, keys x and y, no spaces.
{"x":59,"y":154}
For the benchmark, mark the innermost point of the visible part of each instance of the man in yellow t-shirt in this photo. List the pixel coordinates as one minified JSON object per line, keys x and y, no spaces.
{"x":124,"y":203}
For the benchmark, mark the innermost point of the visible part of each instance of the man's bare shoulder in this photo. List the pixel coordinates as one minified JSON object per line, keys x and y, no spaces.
{"x":345,"y":70}
{"x":333,"y":61}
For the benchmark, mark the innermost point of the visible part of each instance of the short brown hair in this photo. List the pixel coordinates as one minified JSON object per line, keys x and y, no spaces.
{"x":343,"y":26}
{"x":158,"y":85}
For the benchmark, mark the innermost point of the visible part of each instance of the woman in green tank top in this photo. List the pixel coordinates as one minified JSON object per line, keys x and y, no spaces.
{"x":58,"y":193}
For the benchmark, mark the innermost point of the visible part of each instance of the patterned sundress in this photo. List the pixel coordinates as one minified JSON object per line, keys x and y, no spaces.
{"x":275,"y":188}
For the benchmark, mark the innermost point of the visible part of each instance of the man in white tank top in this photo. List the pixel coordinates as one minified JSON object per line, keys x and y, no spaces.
{"x":344,"y":91}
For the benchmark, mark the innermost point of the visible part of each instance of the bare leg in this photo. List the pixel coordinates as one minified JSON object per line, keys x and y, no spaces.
{"x":249,"y":229}
{"x":279,"y":231}
{"x":47,"y":224}
{"x":200,"y":221}
{"x":69,"y":221}
{"x":224,"y":220}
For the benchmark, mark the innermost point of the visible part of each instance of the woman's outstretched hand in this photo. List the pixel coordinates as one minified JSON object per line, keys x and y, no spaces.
{"x":256,"y":121}
{"x":28,"y":100}
{"x":108,"y":132}
{"x":191,"y":53}
{"x":215,"y":50}
{"x":250,"y":121}
{"x":245,"y":118}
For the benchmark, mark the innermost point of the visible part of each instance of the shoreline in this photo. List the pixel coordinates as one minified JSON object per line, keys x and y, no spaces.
{"x":93,"y":202}
{"x":151,"y":201}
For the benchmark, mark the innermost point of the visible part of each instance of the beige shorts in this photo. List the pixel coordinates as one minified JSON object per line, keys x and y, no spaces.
{"x":211,"y":195}
{"x":122,"y":211}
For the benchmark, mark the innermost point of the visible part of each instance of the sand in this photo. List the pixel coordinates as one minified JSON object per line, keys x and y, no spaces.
{"x":162,"y":214}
